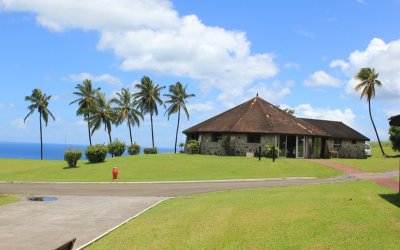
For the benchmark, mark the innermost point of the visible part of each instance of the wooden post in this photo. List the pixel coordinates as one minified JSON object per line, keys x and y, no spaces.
{"x":259,"y":153}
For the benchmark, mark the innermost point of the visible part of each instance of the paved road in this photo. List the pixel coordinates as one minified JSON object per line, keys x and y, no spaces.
{"x":88,"y":210}
{"x":47,"y":225}
{"x":167,"y":189}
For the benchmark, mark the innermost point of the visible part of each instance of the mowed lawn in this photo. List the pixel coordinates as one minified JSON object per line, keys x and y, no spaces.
{"x":353,"y":215}
{"x":375,"y":163}
{"x":161,"y":167}
{"x":7,"y":199}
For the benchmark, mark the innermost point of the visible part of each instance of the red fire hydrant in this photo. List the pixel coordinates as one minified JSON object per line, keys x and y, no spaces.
{"x":115,"y":173}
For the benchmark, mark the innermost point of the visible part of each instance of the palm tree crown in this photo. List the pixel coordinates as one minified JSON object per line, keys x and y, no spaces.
{"x":40,"y":102}
{"x":177,"y":100}
{"x":102,"y":114}
{"x":368,"y":79}
{"x":147,"y":99}
{"x":86,"y":100}
{"x":126,"y":110}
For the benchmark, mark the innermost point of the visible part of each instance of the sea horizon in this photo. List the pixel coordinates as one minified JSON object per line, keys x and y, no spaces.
{"x":51,"y":151}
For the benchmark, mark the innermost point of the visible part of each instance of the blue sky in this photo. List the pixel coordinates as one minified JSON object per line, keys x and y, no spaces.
{"x":297,"y":54}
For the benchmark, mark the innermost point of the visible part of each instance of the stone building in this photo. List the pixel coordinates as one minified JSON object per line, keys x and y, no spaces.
{"x":256,"y":123}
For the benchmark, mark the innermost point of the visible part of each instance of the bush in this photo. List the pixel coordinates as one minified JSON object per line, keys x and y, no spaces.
{"x":394,"y":132}
{"x":225,"y":143}
{"x":134,"y":149}
{"x":150,"y":150}
{"x":269,"y":149}
{"x":96,"y":153}
{"x":193,"y":147}
{"x":72,"y":157}
{"x":116,"y":148}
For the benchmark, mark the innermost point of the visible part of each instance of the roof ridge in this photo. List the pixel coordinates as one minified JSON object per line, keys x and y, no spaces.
{"x":251,"y":105}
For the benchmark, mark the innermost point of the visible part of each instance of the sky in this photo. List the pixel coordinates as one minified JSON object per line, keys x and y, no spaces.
{"x":301,"y":55}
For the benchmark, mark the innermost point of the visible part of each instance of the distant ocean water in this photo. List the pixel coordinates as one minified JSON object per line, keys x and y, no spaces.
{"x":20,"y":150}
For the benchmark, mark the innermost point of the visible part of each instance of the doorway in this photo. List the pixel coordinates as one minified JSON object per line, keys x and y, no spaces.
{"x":291,"y":146}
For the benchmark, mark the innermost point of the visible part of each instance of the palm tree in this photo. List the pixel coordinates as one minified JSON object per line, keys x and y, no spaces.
{"x":39,"y":101}
{"x":177,"y":100}
{"x":126,"y":110}
{"x":86,"y":101}
{"x":368,"y":79}
{"x":147,"y":99}
{"x":102,"y":114}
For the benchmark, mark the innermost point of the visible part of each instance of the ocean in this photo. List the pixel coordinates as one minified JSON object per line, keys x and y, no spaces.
{"x":20,"y":150}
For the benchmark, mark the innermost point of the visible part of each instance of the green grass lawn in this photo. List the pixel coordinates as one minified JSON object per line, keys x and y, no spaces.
{"x":375,"y":163}
{"x":7,"y":199}
{"x":161,"y":167}
{"x":351,"y":215}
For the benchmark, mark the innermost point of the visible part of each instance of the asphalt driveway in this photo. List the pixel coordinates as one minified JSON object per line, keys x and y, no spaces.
{"x":47,"y":225}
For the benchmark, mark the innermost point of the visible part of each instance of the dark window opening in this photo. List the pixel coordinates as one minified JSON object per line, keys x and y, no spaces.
{"x":337,"y":143}
{"x":216,"y":137}
{"x":194,"y":137}
{"x":353,"y":142}
{"x":253,"y":138}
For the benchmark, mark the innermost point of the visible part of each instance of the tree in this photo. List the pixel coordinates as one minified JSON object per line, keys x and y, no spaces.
{"x":102,"y":114}
{"x":86,"y":101}
{"x":126,"y":110}
{"x":177,"y":100}
{"x":368,"y":79}
{"x":394,"y":137}
{"x":40,"y":102}
{"x":147,"y":99}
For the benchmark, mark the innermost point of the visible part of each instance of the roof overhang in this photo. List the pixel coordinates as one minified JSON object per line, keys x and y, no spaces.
{"x":394,"y":120}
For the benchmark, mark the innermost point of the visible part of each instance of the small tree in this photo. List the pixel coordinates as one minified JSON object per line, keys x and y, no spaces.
{"x":181,"y":145}
{"x":394,"y":137}
{"x":193,"y":146}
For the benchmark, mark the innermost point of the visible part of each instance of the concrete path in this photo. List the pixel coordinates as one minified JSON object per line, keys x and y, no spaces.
{"x":47,"y":225}
{"x":164,"y":189}
{"x":382,"y":179}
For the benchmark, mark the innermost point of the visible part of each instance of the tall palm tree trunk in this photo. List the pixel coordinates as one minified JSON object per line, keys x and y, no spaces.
{"x":177,"y":127}
{"x":130,"y":131}
{"x":109,"y":137}
{"x":373,"y":124}
{"x":152,"y":133}
{"x":41,"y":137}
{"x":88,"y":127}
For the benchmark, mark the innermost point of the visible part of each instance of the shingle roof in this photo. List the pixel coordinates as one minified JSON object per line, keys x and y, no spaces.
{"x":394,"y":120}
{"x":257,"y":116}
{"x":337,"y":129}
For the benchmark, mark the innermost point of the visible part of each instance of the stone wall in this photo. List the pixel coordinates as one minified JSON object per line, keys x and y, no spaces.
{"x":349,"y":150}
{"x":238,"y":144}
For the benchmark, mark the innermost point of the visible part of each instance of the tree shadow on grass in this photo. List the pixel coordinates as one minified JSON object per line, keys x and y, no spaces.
{"x":392,"y":198}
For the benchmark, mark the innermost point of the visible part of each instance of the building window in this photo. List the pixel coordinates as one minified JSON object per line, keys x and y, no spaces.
{"x":337,"y":143}
{"x":194,"y":137}
{"x":253,"y":138}
{"x":353,"y":142}
{"x":216,"y":137}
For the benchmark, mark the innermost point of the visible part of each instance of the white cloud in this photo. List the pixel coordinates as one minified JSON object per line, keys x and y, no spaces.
{"x":307,"y":111}
{"x":384,"y":57}
{"x":104,"y":78}
{"x":7,"y":106}
{"x":18,"y":124}
{"x":201,"y":107}
{"x":291,"y":65}
{"x":321,"y":78}
{"x":150,"y":35}
{"x":305,"y":33}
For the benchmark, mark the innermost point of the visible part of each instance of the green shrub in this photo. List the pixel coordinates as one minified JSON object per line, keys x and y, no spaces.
{"x":150,"y":150}
{"x":193,"y":147}
{"x":116,"y":148}
{"x":96,"y":153}
{"x":269,"y":149}
{"x":134,"y":149}
{"x":72,"y":157}
{"x":225,"y":143}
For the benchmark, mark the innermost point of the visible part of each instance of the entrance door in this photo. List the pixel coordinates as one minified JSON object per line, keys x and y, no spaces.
{"x":291,"y":147}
